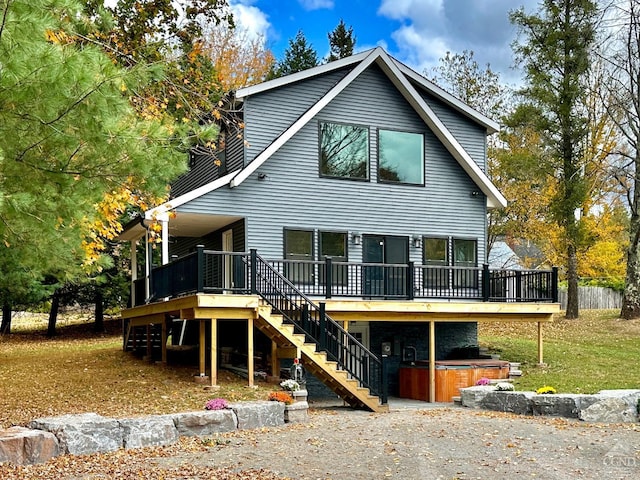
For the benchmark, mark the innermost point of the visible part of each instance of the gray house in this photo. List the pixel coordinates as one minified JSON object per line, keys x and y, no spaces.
{"x":349,"y":211}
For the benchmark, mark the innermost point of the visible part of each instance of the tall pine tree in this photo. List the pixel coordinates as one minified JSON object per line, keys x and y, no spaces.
{"x":299,"y":55}
{"x":341,"y":42}
{"x":555,"y":47}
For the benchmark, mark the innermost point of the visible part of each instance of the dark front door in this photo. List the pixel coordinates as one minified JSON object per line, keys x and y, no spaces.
{"x":385,"y":280}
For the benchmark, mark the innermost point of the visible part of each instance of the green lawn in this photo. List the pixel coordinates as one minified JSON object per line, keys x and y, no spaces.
{"x":595,"y":352}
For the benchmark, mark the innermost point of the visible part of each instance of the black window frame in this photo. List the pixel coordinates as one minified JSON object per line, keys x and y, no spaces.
{"x":366,"y":128}
{"x":462,"y":279}
{"x":437,"y":278}
{"x":378,"y":150}
{"x":340,"y":273}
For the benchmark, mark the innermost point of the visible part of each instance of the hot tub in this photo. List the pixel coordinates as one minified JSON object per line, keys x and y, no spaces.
{"x":451,"y":376}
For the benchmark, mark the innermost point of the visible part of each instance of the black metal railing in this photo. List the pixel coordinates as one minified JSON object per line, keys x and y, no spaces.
{"x":312,"y":320}
{"x":408,"y":281}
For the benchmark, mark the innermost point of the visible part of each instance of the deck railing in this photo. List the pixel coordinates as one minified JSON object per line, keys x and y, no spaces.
{"x":211,"y":271}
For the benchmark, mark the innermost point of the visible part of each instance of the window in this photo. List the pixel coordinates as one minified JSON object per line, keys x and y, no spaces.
{"x":435,"y":253}
{"x":465,"y":255}
{"x":298,"y":248}
{"x":400,"y":157}
{"x":334,"y":245}
{"x":344,"y":151}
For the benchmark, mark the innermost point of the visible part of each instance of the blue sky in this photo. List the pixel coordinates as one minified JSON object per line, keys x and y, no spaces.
{"x":417,"y":32}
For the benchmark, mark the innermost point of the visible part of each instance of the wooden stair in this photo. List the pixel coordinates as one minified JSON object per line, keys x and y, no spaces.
{"x":315,"y":362}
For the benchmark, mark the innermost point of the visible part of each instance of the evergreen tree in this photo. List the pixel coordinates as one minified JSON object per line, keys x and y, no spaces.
{"x":341,"y":42}
{"x":555,"y":51}
{"x":299,"y":56}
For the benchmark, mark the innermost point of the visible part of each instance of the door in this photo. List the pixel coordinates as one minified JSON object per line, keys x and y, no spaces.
{"x":227,"y":246}
{"x":385,"y":281}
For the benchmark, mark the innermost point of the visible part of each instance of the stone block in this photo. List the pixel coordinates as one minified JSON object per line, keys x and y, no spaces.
{"x":258,"y":414}
{"x":24,"y":446}
{"x":556,"y":405}
{"x":632,"y":397}
{"x":513,"y":402}
{"x":203,"y":423}
{"x":471,"y":397}
{"x":612,"y":409}
{"x":82,"y":434}
{"x":297,"y":412}
{"x":148,"y":431}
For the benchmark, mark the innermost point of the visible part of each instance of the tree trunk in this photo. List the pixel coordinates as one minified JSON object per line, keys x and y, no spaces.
{"x":53,"y":314}
{"x":631,"y":296}
{"x":572,"y":283}
{"x":6,"y":318}
{"x":99,"y":313}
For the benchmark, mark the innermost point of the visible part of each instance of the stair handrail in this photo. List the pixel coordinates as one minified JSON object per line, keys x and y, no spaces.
{"x":278,"y":298}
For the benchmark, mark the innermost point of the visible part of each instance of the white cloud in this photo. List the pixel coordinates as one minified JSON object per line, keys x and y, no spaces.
{"x":316,"y":4}
{"x":250,"y":19}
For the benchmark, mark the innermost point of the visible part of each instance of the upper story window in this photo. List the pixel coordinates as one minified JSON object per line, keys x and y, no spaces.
{"x":435,"y":253}
{"x":334,"y":245}
{"x":400,"y":157}
{"x":344,"y":151}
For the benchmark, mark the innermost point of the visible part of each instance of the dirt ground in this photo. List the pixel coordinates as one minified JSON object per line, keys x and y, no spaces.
{"x":407,"y":443}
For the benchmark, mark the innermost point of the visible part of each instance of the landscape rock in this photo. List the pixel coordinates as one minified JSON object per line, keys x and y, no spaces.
{"x":471,"y":397}
{"x":204,"y":422}
{"x":24,"y":446}
{"x":148,"y":431}
{"x":82,"y":434}
{"x":557,"y":405}
{"x":297,"y":412}
{"x":513,"y":402}
{"x":609,"y":410}
{"x":258,"y":414}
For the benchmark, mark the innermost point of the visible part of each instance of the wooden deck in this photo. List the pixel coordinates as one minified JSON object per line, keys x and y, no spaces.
{"x":206,"y":308}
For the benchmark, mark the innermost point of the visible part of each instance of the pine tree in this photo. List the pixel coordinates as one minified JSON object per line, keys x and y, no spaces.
{"x":341,"y":42}
{"x":299,"y":56}
{"x":556,"y":55}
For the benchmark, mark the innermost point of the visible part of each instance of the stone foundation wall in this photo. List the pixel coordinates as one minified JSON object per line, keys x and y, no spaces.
{"x":608,"y":406}
{"x":88,"y":433}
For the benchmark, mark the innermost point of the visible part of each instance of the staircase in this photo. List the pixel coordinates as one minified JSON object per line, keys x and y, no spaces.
{"x":332,"y":354}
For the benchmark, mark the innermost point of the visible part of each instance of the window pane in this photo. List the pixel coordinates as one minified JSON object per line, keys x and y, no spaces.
{"x":298,"y":246}
{"x":334,"y":245}
{"x":434,"y":253}
{"x":401,"y":157}
{"x":464,"y":252}
{"x":344,"y":150}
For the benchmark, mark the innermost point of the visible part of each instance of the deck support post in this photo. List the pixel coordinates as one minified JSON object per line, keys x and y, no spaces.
{"x":214,"y":352}
{"x":540,"y":348}
{"x":275,"y":362}
{"x":432,"y":361}
{"x":250,"y":350}
{"x":202,"y":350}
{"x":163,"y":339}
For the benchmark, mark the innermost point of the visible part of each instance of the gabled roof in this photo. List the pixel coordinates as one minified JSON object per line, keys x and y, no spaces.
{"x":399,"y":76}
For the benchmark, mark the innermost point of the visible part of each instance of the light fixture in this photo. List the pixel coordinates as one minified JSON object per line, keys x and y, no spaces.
{"x":416,"y":239}
{"x":356,"y":238}
{"x":475,"y":193}
{"x":262,"y":176}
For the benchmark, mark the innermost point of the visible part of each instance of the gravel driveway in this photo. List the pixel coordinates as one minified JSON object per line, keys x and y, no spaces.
{"x":408,"y":443}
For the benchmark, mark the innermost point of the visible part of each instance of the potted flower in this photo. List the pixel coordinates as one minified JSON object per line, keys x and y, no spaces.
{"x":546,"y":390}
{"x":293,"y":387}
{"x":216,"y":404}
{"x":283,"y":397}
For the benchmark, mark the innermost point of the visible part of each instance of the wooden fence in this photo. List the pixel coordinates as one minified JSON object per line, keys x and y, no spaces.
{"x":593,"y":298}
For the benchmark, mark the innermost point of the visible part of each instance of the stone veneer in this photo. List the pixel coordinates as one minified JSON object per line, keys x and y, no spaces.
{"x":609,"y":406}
{"x":91,"y":433}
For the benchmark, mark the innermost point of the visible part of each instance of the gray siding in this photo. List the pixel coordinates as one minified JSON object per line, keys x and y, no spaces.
{"x":202,"y":170}
{"x":235,"y":149}
{"x":292,"y":194}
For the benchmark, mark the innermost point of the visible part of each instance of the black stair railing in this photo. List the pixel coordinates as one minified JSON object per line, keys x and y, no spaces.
{"x":312,"y":320}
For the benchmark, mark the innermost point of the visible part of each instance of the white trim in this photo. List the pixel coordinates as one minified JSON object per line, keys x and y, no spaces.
{"x":305,"y":118}
{"x":160,"y":211}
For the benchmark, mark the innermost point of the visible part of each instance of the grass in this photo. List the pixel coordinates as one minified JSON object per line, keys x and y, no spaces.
{"x":598,"y":351}
{"x":80,"y":371}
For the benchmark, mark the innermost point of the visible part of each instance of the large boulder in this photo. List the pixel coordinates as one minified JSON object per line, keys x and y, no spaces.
{"x":23,"y":446}
{"x":204,"y":422}
{"x":148,"y":432}
{"x":561,"y":405}
{"x":610,"y":409}
{"x":505,"y":401}
{"x":82,"y":434}
{"x":258,"y":414}
{"x":471,"y":397}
